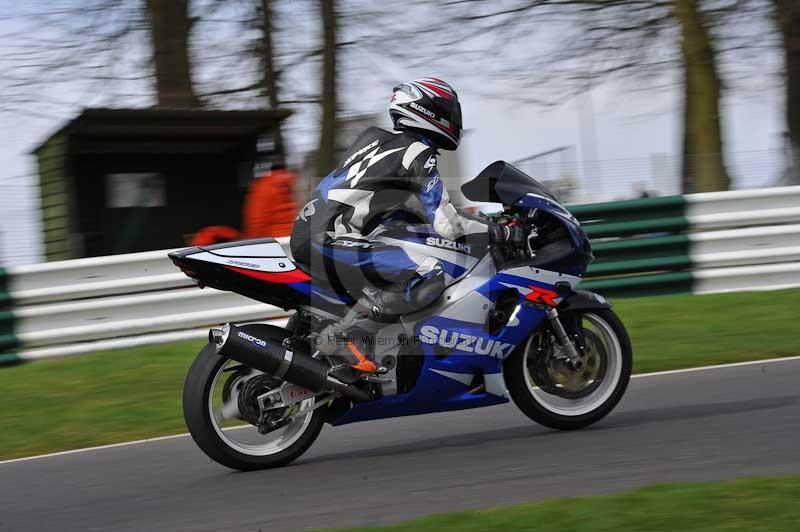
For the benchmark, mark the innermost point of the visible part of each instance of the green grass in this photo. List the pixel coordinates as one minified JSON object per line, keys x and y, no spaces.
{"x":93,"y":400}
{"x":758,"y":505}
{"x":673,"y":332}
{"x":130,"y":394}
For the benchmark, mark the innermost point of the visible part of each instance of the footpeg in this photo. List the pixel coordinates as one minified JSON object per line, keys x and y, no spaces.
{"x":376,"y":379}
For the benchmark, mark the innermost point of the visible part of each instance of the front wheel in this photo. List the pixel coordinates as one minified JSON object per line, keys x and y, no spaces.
{"x":219,"y":404}
{"x":550,"y":392}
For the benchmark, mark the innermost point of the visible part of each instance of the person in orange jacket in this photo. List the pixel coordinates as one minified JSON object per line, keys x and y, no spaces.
{"x":269,"y":207}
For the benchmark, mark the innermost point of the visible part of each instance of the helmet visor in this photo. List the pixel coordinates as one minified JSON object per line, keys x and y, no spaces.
{"x":457,"y":114}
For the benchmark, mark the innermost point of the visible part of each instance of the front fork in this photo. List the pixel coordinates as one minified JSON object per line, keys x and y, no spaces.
{"x":566,"y":346}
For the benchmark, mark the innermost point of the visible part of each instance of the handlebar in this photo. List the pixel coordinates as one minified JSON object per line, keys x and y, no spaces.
{"x":514,"y":220}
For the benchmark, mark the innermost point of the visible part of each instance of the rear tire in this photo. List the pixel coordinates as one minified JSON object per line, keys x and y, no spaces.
{"x":559,"y":412}
{"x":197,"y":414}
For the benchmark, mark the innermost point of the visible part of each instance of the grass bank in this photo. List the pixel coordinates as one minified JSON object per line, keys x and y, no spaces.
{"x":765,"y":505}
{"x":131,"y":394}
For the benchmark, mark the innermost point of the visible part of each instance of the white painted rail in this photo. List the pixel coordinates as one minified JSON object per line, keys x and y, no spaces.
{"x":79,"y":306}
{"x":740,"y":240}
{"x":745,"y":239}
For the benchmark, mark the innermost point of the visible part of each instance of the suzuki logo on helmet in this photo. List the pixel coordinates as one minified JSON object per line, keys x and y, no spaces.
{"x":418,"y":107}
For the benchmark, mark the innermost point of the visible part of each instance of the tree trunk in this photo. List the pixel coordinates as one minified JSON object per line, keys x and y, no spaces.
{"x":326,"y":152}
{"x":703,"y":157}
{"x":268,"y":64}
{"x":787,"y":13}
{"x":170,"y":27}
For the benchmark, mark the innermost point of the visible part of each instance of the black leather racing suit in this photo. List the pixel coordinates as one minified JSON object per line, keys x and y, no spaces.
{"x":384,"y":178}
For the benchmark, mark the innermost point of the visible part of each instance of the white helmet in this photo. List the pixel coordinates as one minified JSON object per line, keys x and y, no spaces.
{"x":430,"y":106}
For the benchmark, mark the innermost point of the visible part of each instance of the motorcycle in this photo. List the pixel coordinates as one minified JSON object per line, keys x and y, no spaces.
{"x":510,"y":325}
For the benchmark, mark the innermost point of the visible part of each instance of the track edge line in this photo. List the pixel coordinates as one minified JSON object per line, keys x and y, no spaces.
{"x":183,"y":435}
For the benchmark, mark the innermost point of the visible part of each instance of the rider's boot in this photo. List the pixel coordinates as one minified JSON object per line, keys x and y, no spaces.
{"x":341,"y":340}
{"x":373,"y":311}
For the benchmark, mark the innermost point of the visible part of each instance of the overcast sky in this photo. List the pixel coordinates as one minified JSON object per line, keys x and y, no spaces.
{"x":631,"y":127}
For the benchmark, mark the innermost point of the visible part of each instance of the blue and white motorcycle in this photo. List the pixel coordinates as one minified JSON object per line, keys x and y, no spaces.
{"x":510,"y":325}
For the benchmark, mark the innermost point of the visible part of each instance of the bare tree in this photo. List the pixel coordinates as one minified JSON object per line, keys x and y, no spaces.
{"x":170,"y":27}
{"x":96,"y":47}
{"x":267,"y":54}
{"x":270,"y":74}
{"x":278,"y":59}
{"x":326,"y":152}
{"x":597,"y":40}
{"x":787,"y":15}
{"x":703,"y":165}
{"x":75,"y":45}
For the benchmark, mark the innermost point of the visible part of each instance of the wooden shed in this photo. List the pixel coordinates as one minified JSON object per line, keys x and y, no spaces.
{"x":125,"y":180}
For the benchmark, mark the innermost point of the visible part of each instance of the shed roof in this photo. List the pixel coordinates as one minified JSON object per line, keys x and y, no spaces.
{"x":156,"y":123}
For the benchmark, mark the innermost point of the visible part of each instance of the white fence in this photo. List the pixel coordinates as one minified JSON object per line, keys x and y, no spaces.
{"x":745,"y":239}
{"x":86,"y":305}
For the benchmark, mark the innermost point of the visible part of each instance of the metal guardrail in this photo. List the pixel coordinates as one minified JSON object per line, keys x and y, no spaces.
{"x":85,"y":305}
{"x":703,"y":243}
{"x":714,"y":242}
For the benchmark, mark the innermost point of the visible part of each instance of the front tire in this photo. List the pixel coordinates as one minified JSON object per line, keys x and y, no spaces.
{"x":534,"y":386}
{"x":215,"y":441}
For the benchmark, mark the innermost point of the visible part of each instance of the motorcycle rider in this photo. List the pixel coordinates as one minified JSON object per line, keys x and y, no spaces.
{"x":384,"y":178}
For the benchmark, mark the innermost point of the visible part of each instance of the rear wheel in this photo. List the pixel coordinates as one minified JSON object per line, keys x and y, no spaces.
{"x":219,"y":406}
{"x":549,"y":391}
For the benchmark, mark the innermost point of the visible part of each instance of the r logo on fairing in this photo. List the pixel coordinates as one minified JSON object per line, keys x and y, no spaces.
{"x":468,"y":343}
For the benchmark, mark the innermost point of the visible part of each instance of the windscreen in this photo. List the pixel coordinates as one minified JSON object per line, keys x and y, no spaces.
{"x":502,"y":183}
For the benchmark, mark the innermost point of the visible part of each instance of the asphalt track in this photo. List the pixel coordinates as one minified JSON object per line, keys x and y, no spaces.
{"x":706,"y":425}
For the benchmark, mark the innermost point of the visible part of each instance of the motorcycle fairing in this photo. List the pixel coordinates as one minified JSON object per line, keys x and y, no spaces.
{"x":261,"y":259}
{"x":257,"y":247}
{"x":421,"y":234}
{"x":259,"y":269}
{"x":456,"y":260}
{"x":458,"y":352}
{"x":462,"y":361}
{"x":578,"y":238}
{"x":501,"y":182}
